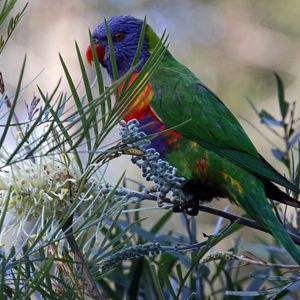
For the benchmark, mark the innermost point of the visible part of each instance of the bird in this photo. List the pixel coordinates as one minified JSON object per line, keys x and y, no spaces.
{"x":209,"y":147}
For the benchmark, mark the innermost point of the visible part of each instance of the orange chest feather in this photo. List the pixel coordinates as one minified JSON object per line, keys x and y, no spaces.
{"x":141,"y":110}
{"x":140,"y":106}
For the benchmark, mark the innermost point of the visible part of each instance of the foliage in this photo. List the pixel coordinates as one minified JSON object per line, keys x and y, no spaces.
{"x":7,"y":6}
{"x":73,"y":231}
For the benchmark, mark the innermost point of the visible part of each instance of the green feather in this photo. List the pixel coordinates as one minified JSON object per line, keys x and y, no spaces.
{"x":180,"y":96}
{"x":235,"y":167}
{"x":214,"y":152}
{"x":152,"y":38}
{"x":254,"y":202}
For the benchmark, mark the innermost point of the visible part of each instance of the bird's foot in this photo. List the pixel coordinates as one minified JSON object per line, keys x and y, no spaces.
{"x":193,"y":210}
{"x":190,"y":206}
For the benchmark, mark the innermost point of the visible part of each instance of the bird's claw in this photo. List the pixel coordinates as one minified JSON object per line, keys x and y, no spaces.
{"x":190,"y":207}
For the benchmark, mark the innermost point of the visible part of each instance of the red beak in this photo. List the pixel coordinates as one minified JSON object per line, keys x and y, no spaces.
{"x":100,"y":53}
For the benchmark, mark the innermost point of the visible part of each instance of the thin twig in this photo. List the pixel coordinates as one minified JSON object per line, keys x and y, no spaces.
{"x":247,"y":260}
{"x":92,"y":286}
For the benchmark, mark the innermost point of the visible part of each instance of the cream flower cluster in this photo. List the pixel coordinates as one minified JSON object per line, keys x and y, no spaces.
{"x":41,"y":187}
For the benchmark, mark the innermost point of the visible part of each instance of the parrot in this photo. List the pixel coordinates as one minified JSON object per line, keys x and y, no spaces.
{"x":209,"y":147}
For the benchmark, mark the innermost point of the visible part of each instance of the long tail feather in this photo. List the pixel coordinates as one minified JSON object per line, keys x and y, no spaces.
{"x":255,"y":203}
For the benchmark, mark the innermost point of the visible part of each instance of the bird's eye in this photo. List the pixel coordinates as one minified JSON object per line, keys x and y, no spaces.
{"x":119,"y":36}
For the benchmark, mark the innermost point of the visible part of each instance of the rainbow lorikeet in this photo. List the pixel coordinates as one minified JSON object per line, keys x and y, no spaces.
{"x":211,"y":149}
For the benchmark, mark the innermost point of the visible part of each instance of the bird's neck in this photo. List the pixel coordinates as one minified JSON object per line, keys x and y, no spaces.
{"x":150,"y":122}
{"x":140,"y":105}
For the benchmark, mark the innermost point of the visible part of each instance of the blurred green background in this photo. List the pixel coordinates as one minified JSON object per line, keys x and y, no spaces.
{"x":233,"y":46}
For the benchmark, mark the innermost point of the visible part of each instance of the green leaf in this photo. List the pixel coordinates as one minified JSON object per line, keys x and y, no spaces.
{"x":268,"y":119}
{"x":13,"y":104}
{"x":4,"y":207}
{"x":161,"y":222}
{"x":297,"y":173}
{"x":6,"y":9}
{"x":111,"y":52}
{"x":2,"y":278}
{"x":211,"y":242}
{"x":278,"y":154}
{"x":284,"y":106}
{"x":137,"y":268}
{"x":1,"y":42}
{"x":247,"y":293}
{"x":179,"y":272}
{"x":136,"y":56}
{"x":78,"y":103}
{"x":37,"y":278}
{"x":98,"y":76}
{"x":88,"y":90}
{"x":26,"y":137}
{"x":156,"y":282}
{"x":164,"y":274}
{"x":59,"y":124}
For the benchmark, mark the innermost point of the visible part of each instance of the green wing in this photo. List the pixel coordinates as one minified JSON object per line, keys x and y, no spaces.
{"x":179,"y":97}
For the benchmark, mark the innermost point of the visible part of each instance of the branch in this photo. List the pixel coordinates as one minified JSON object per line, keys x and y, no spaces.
{"x":241,"y":220}
{"x":92,"y":286}
{"x":214,"y":211}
